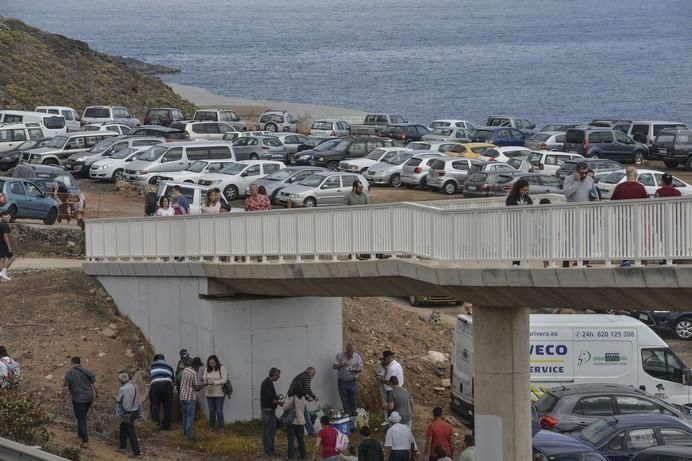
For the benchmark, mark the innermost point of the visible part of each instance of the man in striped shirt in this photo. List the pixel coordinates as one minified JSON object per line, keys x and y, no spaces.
{"x":161,"y":377}
{"x":302,"y":381}
{"x":189,"y":385}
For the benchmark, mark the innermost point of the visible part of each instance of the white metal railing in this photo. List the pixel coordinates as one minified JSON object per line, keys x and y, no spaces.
{"x":639,"y":230}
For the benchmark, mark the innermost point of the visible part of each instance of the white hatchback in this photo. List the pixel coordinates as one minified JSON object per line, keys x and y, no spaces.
{"x":650,"y":179}
{"x":235,"y":177}
{"x":360,"y":165}
{"x":112,"y":168}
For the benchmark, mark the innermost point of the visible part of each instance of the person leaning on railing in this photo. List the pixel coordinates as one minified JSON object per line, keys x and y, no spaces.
{"x":518,"y":196}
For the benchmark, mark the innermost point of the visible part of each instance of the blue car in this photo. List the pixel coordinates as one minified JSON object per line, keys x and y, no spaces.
{"x":621,"y":438}
{"x":500,"y":136}
{"x":551,"y":446}
{"x":24,"y":199}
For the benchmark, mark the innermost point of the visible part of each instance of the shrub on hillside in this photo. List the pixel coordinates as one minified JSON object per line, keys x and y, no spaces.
{"x":22,"y":418}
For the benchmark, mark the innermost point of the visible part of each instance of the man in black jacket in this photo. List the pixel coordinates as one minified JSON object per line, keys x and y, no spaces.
{"x":268,"y":401}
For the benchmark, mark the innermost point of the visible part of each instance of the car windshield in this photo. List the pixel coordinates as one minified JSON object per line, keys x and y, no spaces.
{"x":322,"y":125}
{"x":442,"y":131}
{"x":540,"y":137}
{"x":123,"y":153}
{"x":328,"y":145}
{"x":280,"y":175}
{"x":418,"y":146}
{"x":153,"y":153}
{"x":342,"y":145}
{"x":483,"y":135}
{"x":57,"y":142}
{"x":375,"y":154}
{"x":435,"y":125}
{"x":597,"y":431}
{"x":26,"y":145}
{"x":197,"y":166}
{"x":103,"y":145}
{"x":233,"y":168}
{"x":312,"y":180}
{"x":397,"y":159}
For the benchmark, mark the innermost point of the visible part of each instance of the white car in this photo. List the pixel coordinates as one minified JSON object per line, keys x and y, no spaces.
{"x":650,"y":179}
{"x":196,"y":170}
{"x":113,"y":167}
{"x":235,"y":177}
{"x":504,"y":153}
{"x":549,"y":162}
{"x":499,"y":166}
{"x":360,"y":165}
{"x":432,"y":146}
{"x":452,"y":123}
{"x":117,"y":127}
{"x":213,"y":131}
{"x":72,"y":117}
{"x":329,"y":127}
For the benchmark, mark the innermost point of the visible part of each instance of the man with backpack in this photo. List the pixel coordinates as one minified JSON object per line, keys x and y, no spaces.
{"x":10,"y":371}
{"x":79,"y":385}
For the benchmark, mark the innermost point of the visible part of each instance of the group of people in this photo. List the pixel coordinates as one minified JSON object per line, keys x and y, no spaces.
{"x":178,"y":204}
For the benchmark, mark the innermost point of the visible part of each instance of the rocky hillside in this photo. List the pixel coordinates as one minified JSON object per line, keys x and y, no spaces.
{"x":41,"y":68}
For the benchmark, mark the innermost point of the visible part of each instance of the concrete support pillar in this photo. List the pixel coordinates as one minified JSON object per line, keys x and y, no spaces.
{"x":501,"y":384}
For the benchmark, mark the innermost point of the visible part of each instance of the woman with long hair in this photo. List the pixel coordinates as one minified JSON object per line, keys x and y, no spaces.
{"x":519,"y":195}
{"x":212,"y":202}
{"x":215,"y":375}
{"x":295,"y":430}
{"x":165,"y":208}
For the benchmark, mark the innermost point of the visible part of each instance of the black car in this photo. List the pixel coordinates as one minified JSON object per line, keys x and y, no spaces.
{"x":169,"y":134}
{"x":163,"y":116}
{"x":597,"y":165}
{"x":10,"y":158}
{"x":405,"y":133}
{"x":674,"y":147}
{"x":665,"y":453}
{"x":330,"y":153}
{"x":669,"y":322}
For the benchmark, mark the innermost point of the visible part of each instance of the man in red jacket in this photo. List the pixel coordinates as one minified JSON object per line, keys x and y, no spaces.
{"x":630,"y":189}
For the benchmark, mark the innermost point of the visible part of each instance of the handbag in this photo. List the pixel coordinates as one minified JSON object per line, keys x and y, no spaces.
{"x":227,"y":388}
{"x":289,"y":415}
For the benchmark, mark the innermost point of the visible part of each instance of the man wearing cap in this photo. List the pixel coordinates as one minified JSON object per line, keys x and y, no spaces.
{"x":184,"y":362}
{"x":667,"y":190}
{"x":6,"y":255}
{"x":577,"y":187}
{"x":189,"y":385}
{"x":129,"y":408}
{"x":399,"y":441}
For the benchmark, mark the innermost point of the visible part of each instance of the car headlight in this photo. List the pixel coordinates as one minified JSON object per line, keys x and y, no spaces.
{"x":321,"y":159}
{"x":216,"y":181}
{"x":294,"y":195}
{"x":142,"y":172}
{"x":80,"y":159}
{"x":12,"y":157}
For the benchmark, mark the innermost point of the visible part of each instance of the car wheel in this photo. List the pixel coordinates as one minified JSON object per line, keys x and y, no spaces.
{"x":333,"y":166}
{"x":50,"y":161}
{"x":254,"y":156}
{"x":230,"y":192}
{"x":310,"y":202}
{"x":638,"y":157}
{"x":154,"y":180}
{"x":688,"y":164}
{"x":12,"y":210}
{"x":413,"y":301}
{"x":671,"y":163}
{"x":450,"y":188}
{"x":683,"y":328}
{"x":395,"y":180}
{"x":271,"y":127}
{"x":51,"y":217}
{"x":117,"y":175}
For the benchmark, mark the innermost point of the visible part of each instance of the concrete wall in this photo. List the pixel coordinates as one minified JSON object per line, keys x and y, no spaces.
{"x":248,"y":335}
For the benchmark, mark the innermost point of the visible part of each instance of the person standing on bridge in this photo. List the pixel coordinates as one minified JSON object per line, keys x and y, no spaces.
{"x":357,"y":196}
{"x":189,"y":385}
{"x":269,"y":400}
{"x":667,"y":190}
{"x":577,"y":187}
{"x":348,"y":364}
{"x":161,"y":377}
{"x":629,"y":190}
{"x":519,"y":196}
{"x":257,"y":201}
{"x":180,"y":199}
{"x":302,"y":381}
{"x":6,"y":254}
{"x":79,"y":385}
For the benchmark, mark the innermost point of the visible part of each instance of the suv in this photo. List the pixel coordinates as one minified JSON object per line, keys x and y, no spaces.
{"x":220,"y":115}
{"x":59,"y":148}
{"x":80,"y":163}
{"x":12,"y":136}
{"x":645,"y":132}
{"x":163,"y":116}
{"x":523,"y":124}
{"x":572,"y":407}
{"x":674,"y":147}
{"x":346,"y":148}
{"x":277,"y":120}
{"x":116,"y":114}
{"x":604,"y":143}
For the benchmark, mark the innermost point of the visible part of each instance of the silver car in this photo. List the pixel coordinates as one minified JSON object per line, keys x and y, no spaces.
{"x":259,"y":148}
{"x":280,"y":179}
{"x":388,"y":170}
{"x":539,"y":183}
{"x":448,"y":134}
{"x":320,"y":189}
{"x":449,"y":174}
{"x":295,"y":142}
{"x":550,"y":140}
{"x":329,"y":127}
{"x":415,"y":171}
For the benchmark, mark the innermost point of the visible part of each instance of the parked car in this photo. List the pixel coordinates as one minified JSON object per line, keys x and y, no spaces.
{"x":194,"y":193}
{"x":645,"y":132}
{"x":361,"y":165}
{"x":549,"y":162}
{"x":163,"y":132}
{"x":650,"y":179}
{"x":500,"y":136}
{"x":674,"y":147}
{"x":294,"y":142}
{"x":375,"y":124}
{"x":107,"y":126}
{"x":39,"y":173}
{"x":70,"y":199}
{"x":525,"y":125}
{"x":10,"y":158}
{"x":448,"y":174}
{"x":329,"y":154}
{"x":113,"y":168}
{"x":550,"y":446}
{"x":435,"y":146}
{"x":546,"y":140}
{"x":504,"y":153}
{"x":80,"y":163}
{"x":599,"y":166}
{"x":21,"y":198}
{"x":196,"y":170}
{"x":470,"y":150}
{"x":259,"y":147}
{"x":452,"y":123}
{"x":115,"y":114}
{"x":522,"y":164}
{"x":231,"y":136}
{"x":558,"y":127}
{"x":163,"y":116}
{"x":162,"y":158}
{"x":277,"y":120}
{"x":388,"y":170}
{"x":572,"y":407}
{"x":329,"y":127}
{"x":320,"y":189}
{"x":14,"y":134}
{"x":405,"y":133}
{"x":213,"y":131}
{"x":284,"y":177}
{"x":539,"y":183}
{"x":58,"y":149}
{"x":414,"y":172}
{"x":604,"y":143}
{"x":71,"y":116}
{"x":619,"y":439}
{"x":679,"y":323}
{"x":50,"y":124}
{"x":459,"y":135}
{"x":665,"y":453}
{"x":613,"y":124}
{"x":498,"y":166}
{"x":220,"y":115}
{"x":235,"y":177}
{"x":488,"y":184}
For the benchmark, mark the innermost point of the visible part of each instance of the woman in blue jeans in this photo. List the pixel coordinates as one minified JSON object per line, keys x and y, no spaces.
{"x":295,"y":429}
{"x":215,"y":375}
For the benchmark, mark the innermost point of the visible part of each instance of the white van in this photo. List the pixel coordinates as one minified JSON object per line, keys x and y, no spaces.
{"x":577,"y":349}
{"x":52,"y":125}
{"x":548,"y":161}
{"x":13,"y":135}
{"x":72,"y":117}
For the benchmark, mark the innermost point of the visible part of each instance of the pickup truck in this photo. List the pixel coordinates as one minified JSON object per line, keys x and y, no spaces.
{"x":375,"y":124}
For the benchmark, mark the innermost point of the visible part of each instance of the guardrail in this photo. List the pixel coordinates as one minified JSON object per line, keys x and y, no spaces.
{"x":639,"y":230}
{"x":13,"y":451}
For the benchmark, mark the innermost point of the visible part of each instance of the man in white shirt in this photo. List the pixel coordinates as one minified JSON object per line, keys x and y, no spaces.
{"x":399,"y":441}
{"x":393,"y":368}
